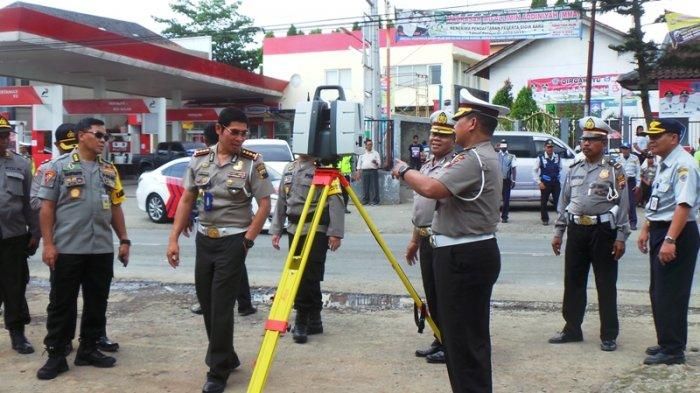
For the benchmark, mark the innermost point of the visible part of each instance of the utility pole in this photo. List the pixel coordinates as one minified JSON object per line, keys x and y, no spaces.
{"x":388,"y":63}
{"x":373,"y":88}
{"x":589,"y":73}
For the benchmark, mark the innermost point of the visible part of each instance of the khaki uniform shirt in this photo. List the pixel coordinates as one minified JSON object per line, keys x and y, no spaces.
{"x":232,"y":186}
{"x":589,"y":189}
{"x":16,"y":216}
{"x":457,"y":217}
{"x":294,"y":189}
{"x":676,"y":182}
{"x":84,"y":193}
{"x":424,"y":208}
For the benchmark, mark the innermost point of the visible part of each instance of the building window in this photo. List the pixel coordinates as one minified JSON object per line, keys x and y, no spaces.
{"x":341,"y":77}
{"x":434,"y":74}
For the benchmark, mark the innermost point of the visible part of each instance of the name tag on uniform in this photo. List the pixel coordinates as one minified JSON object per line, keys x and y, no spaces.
{"x":663,"y":187}
{"x":654,"y":203}
{"x":105,"y":201}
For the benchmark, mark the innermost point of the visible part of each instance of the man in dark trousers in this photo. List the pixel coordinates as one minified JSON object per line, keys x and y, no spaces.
{"x":442,"y":143}
{"x":670,"y":236}
{"x":414,"y":152}
{"x":508,"y":171}
{"x":19,"y":237}
{"x":466,"y":257}
{"x":80,"y":190}
{"x":546,"y":175}
{"x":593,"y":210}
{"x":223,"y":179}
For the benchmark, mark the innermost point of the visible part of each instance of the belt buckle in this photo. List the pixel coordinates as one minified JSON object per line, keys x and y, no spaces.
{"x":586,"y":220}
{"x":433,"y":242}
{"x":424,"y":232}
{"x":213,"y":232}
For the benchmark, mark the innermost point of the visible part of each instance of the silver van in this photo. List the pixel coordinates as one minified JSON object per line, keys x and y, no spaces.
{"x":527,"y":146}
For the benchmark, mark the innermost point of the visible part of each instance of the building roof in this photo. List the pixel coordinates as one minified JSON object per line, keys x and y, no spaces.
{"x":69,"y":48}
{"x":481,"y":69}
{"x":630,"y":80}
{"x":341,"y":41}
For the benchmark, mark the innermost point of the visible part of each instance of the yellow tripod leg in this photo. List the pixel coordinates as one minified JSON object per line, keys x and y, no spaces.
{"x":294,"y":265}
{"x":390,"y":256}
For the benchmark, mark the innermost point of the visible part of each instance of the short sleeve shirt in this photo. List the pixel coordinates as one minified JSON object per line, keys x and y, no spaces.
{"x":462,"y":176}
{"x":676,"y":182}
{"x":231,"y":187}
{"x":15,"y":182}
{"x":424,"y":208}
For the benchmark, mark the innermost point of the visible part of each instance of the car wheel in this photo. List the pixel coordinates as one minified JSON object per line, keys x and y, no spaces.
{"x":155,"y":208}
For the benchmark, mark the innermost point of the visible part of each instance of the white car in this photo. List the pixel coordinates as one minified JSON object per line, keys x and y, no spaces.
{"x":159,"y":191}
{"x":275,"y":152}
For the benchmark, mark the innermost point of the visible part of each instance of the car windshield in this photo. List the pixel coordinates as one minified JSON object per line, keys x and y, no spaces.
{"x":273,"y":152}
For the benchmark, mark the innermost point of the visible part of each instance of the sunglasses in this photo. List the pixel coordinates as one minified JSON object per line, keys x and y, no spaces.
{"x":240,"y":133}
{"x":100,"y":135}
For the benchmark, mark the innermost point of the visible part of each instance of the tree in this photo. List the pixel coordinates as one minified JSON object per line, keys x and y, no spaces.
{"x":645,"y":53}
{"x":524,"y":104}
{"x":294,"y":31}
{"x":232,"y":34}
{"x":504,"y":96}
{"x":560,"y":3}
{"x":538,"y":4}
{"x":270,"y":34}
{"x":315,"y":31}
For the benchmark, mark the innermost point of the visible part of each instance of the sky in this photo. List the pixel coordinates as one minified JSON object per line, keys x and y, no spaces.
{"x":282,"y":13}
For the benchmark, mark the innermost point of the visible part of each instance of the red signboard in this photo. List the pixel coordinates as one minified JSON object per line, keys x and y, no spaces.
{"x":192,"y":114}
{"x":125,"y":106}
{"x":17,"y":96}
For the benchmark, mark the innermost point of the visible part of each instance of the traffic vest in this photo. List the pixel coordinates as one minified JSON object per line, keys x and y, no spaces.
{"x":345,"y":165}
{"x":549,"y":168}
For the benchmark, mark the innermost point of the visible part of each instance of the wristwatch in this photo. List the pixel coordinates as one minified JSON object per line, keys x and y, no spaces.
{"x":403,"y":171}
{"x":125,"y":241}
{"x":669,"y":240}
{"x":248,"y":243}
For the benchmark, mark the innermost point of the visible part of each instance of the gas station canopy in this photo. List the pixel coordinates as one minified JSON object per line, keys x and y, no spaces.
{"x":69,"y":48}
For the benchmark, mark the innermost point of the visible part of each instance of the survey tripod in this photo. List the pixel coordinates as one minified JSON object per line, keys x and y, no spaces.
{"x":276,"y":324}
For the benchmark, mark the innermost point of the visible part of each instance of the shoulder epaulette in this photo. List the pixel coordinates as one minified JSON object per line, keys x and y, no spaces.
{"x":201,"y":152}
{"x":250,"y":154}
{"x":104,"y":161}
{"x":45,"y":162}
{"x":575,"y":163}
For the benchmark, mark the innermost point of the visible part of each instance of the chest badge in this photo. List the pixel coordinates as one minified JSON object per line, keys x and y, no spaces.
{"x":75,"y":192}
{"x":238,"y":165}
{"x":604,"y":174}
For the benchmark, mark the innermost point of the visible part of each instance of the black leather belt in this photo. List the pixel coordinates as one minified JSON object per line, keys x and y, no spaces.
{"x":325,"y":218}
{"x":659,"y":224}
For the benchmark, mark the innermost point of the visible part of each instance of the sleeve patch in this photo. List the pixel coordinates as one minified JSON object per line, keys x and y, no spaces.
{"x":49,"y":178}
{"x":682,"y":174}
{"x":262,"y":171}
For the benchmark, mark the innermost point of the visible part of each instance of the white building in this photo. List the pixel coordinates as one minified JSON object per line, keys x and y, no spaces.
{"x":423,"y":72}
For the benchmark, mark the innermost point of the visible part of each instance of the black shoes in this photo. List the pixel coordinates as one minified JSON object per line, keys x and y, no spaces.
{"x":20,"y":343}
{"x":437,"y":357}
{"x":315,"y":324}
{"x":69,"y":349}
{"x":105,"y":345}
{"x":504,"y":220}
{"x":545,"y":223}
{"x":300,"y":331}
{"x":213,"y":386}
{"x":55,"y":365}
{"x":435,"y":346}
{"x":564,"y":337}
{"x":651,"y":351}
{"x":247,"y":311}
{"x":663,"y":358}
{"x":196,"y":309}
{"x":608,"y":345}
{"x":93,"y":357}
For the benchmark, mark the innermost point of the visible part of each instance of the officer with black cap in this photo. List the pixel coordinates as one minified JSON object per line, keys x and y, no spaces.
{"x":670,"y":236}
{"x":19,"y":236}
{"x":546,"y":175}
{"x":509,"y":172}
{"x":466,"y":257}
{"x":593,"y":208}
{"x":442,"y":142}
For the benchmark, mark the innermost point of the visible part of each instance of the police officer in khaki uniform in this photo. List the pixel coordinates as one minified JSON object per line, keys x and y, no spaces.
{"x":223,"y":180}
{"x":19,"y":237}
{"x":670,"y":236}
{"x":80,"y":191}
{"x":294,"y":189}
{"x":466,"y":258}
{"x":442,"y":143}
{"x":594,"y":208}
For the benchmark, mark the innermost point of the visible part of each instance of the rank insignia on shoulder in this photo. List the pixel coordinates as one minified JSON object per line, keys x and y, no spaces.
{"x":575,"y":163}
{"x":249,"y":154}
{"x":262,"y":171}
{"x":201,"y":152}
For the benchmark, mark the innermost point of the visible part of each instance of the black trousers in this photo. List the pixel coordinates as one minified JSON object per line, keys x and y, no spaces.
{"x":219,"y":265}
{"x":346,"y":196}
{"x":632,"y":183}
{"x":670,"y":286}
{"x":14,"y":276}
{"x":370,"y":186}
{"x":550,"y":188}
{"x":243,"y":299}
{"x":92,"y":272}
{"x":464,"y":278}
{"x":425,"y":253}
{"x":590,"y":245}
{"x":309,"y":293}
{"x":505,"y":208}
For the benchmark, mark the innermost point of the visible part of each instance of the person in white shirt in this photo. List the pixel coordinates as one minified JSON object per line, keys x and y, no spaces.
{"x":368,"y":168}
{"x":639,"y":147}
{"x":630,"y":163}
